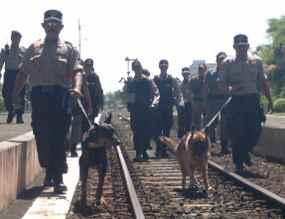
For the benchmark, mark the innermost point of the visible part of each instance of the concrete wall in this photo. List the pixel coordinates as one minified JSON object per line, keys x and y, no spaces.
{"x":272,"y":143}
{"x":18,"y":167}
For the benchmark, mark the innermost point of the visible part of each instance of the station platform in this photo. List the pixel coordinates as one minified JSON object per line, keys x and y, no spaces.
{"x":12,"y":130}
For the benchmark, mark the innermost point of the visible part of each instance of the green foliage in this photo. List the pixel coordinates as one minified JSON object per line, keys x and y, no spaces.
{"x":271,"y":55}
{"x":279,"y":105}
{"x":116,"y":97}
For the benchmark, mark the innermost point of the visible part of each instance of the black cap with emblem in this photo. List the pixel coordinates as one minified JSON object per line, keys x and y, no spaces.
{"x":53,"y":15}
{"x":241,"y":40}
{"x":89,"y":62}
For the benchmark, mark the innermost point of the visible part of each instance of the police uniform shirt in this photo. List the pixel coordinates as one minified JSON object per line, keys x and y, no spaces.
{"x":175,"y":87}
{"x":185,"y":88}
{"x":245,"y":77}
{"x":214,"y":84}
{"x":198,"y":87}
{"x":12,"y":58}
{"x":51,"y":63}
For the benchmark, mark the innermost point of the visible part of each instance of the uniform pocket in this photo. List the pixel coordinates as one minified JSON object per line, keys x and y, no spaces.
{"x":61,"y":65}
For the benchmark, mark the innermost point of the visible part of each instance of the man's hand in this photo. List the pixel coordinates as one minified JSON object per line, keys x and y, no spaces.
{"x":75,"y":92}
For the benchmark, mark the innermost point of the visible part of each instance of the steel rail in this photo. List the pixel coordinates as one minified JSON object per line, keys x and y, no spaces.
{"x":137,"y":208}
{"x":138,"y":212}
{"x":266,"y":194}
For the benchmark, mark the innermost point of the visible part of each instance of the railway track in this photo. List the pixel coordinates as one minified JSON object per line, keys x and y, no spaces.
{"x":233,"y":197}
{"x":120,"y":199}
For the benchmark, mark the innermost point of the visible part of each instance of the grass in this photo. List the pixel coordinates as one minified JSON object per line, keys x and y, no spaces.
{"x":279,"y":114}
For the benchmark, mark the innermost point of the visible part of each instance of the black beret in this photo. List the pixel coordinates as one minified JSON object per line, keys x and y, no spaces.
{"x":16,"y":33}
{"x":240,"y":40}
{"x":163,"y":61}
{"x":53,"y":15}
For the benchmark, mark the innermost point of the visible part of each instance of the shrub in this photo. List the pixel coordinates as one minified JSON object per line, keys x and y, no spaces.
{"x":279,"y":105}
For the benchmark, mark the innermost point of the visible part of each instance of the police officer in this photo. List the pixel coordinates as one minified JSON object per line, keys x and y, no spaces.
{"x":169,"y":96}
{"x":198,"y":87}
{"x":216,"y":96}
{"x":55,"y":73}
{"x":12,"y":57}
{"x":185,"y":120}
{"x":141,"y":94}
{"x":95,"y":88}
{"x":244,"y":75}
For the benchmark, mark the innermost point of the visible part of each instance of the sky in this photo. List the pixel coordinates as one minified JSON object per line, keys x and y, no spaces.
{"x":178,"y":30}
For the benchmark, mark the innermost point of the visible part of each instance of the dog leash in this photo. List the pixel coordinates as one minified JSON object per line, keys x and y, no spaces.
{"x":217,"y":114}
{"x":84,"y":113}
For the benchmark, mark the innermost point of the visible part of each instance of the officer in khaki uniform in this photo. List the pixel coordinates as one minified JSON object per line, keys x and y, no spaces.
{"x":216,"y":96}
{"x":55,"y":73}
{"x":244,"y":76}
{"x":12,"y":57}
{"x":198,"y":88}
{"x":185,"y":118}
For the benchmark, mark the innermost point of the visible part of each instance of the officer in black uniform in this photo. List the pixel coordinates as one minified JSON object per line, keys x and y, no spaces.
{"x":169,"y":96}
{"x":54,"y":71}
{"x":140,"y":97}
{"x":95,"y":88}
{"x":244,"y":76}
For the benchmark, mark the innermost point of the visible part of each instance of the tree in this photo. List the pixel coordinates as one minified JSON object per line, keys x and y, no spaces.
{"x":271,"y":55}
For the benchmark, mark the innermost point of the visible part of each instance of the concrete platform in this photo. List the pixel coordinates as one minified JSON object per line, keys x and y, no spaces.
{"x":272,"y":140}
{"x":12,"y":130}
{"x":19,"y":167}
{"x":51,"y":206}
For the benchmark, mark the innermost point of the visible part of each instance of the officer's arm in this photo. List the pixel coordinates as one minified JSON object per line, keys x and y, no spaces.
{"x":177,"y":92}
{"x":76,"y":70}
{"x":265,"y":85}
{"x":87,"y":96}
{"x":2,"y":60}
{"x":224,"y":74}
{"x":154,"y":92}
{"x":101,"y":93}
{"x":22,"y":75}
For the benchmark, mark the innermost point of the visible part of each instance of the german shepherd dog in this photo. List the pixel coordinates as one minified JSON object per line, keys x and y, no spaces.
{"x":192,"y":153}
{"x":94,"y":154}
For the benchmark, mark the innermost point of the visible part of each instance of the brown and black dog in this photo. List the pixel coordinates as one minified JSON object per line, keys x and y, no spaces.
{"x":94,"y":154}
{"x":192,"y":153}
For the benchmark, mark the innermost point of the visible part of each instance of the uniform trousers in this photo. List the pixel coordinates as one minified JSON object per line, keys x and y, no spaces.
{"x":50,"y":122}
{"x":244,"y":125}
{"x":184,"y":119}
{"x":214,"y":104}
{"x":139,"y":116}
{"x":166,"y":118}
{"x":198,"y":110}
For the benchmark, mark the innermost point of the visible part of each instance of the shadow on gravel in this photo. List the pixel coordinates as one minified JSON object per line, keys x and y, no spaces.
{"x":31,"y":193}
{"x":87,"y":211}
{"x":248,"y":174}
{"x":192,"y":193}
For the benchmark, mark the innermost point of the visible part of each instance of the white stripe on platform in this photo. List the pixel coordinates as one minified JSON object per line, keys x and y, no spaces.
{"x":51,"y":206}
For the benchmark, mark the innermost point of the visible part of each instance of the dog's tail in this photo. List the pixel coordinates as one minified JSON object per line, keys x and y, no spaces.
{"x":171,"y":143}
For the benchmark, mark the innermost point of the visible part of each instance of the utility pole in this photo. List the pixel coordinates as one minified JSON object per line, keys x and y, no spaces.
{"x":79,"y":36}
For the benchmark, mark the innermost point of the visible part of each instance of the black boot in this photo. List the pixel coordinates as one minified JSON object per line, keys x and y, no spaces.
{"x":10,"y":117}
{"x":20,"y":118}
{"x":59,"y":186}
